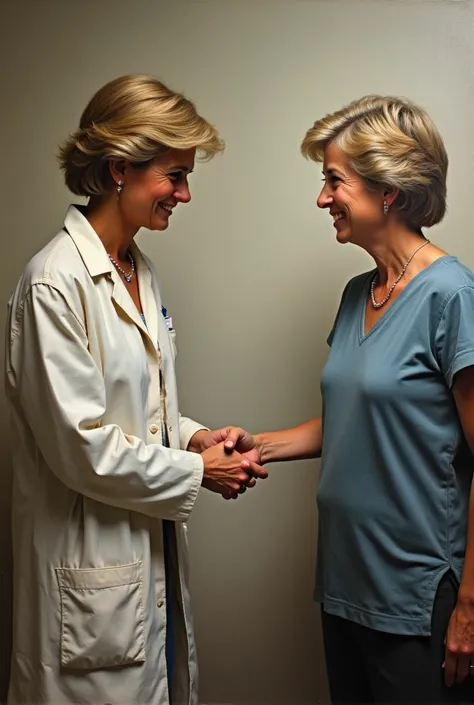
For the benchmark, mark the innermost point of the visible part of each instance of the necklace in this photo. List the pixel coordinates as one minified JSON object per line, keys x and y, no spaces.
{"x":379,"y":304}
{"x":128,"y":275}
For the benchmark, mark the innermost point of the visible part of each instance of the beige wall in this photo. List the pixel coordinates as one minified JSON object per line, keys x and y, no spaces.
{"x":250,"y":270}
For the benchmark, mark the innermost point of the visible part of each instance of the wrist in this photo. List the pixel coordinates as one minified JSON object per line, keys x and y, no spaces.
{"x":466,"y":595}
{"x":466,"y":592}
{"x":262,"y":447}
{"x":196,"y":444}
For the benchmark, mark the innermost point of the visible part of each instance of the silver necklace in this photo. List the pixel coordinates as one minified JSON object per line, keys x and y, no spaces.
{"x":379,"y":304}
{"x":128,"y":275}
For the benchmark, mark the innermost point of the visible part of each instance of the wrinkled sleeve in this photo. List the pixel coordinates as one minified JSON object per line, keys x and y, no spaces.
{"x":62,"y":395}
{"x":454,"y":341}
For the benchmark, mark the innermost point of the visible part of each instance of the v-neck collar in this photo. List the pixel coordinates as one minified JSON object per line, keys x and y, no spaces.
{"x":396,"y":303}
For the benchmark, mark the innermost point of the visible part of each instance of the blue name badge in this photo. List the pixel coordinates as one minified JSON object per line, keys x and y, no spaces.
{"x":168,"y":319}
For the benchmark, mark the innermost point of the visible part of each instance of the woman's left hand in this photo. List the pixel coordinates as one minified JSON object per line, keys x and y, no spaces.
{"x":459,"y":656}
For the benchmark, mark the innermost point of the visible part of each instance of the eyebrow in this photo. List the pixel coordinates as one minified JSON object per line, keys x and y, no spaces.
{"x":330,"y":171}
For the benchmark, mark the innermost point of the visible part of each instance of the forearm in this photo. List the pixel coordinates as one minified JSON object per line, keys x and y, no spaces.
{"x":115,"y":469}
{"x":463,"y":391}
{"x":466,"y":589}
{"x":297,"y":443}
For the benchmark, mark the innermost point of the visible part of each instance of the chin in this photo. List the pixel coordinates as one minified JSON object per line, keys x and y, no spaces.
{"x":343,"y":238}
{"x":159,"y":226}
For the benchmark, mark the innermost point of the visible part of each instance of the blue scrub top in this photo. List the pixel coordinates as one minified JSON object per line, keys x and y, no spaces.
{"x":394,"y":490}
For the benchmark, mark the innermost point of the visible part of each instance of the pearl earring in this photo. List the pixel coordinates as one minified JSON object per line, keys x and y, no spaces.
{"x":385,"y":208}
{"x":119,"y":188}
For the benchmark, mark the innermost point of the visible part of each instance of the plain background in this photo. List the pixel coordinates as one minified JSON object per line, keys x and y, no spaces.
{"x":250,"y":270}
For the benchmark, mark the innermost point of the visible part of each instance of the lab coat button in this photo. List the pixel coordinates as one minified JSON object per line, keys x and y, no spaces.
{"x":153,"y":428}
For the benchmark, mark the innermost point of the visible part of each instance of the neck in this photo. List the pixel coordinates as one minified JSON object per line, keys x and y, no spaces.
{"x":108,"y":222}
{"x":392,"y":249}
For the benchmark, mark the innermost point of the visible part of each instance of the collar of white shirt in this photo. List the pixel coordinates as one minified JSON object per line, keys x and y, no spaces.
{"x":87,"y":241}
{"x":90,"y":245}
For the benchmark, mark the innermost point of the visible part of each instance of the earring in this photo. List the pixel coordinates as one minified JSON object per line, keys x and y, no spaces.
{"x":385,"y":208}
{"x":119,"y":188}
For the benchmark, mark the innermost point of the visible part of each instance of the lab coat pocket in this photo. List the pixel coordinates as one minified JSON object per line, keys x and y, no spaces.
{"x":102,"y":617}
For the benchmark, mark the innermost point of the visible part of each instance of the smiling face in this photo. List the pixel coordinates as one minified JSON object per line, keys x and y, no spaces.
{"x":150,"y":193}
{"x":357,"y":211}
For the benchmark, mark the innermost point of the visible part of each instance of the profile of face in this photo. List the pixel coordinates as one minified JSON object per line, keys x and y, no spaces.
{"x":149,"y":194}
{"x":357,"y":211}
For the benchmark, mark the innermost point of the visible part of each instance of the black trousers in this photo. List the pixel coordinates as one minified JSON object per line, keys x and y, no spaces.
{"x":367,"y":666}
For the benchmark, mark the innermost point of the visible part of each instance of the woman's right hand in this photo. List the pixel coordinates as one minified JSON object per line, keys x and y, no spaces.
{"x":229,"y":473}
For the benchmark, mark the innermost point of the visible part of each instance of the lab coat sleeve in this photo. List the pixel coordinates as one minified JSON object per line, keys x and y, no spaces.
{"x":62,"y":394}
{"x":187,"y":429}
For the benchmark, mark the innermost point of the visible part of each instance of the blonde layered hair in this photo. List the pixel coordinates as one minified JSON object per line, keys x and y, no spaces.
{"x":391,"y":143}
{"x":135,"y":118}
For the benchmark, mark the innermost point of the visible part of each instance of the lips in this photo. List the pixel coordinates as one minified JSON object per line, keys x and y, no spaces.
{"x":166,"y":207}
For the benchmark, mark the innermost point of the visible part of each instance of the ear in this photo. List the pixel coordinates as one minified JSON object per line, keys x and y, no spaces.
{"x":390,"y":195}
{"x":117,"y":168}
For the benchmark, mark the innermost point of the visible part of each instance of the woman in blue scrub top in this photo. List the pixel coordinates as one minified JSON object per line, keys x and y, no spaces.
{"x":396,"y":544}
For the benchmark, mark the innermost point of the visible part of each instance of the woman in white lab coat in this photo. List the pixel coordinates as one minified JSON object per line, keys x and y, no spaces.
{"x":106,"y":470}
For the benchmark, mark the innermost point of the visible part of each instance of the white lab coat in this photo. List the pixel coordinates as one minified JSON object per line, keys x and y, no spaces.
{"x":92,"y":482}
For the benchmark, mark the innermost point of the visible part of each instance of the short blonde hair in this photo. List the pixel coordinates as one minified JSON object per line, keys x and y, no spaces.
{"x":391,"y":143}
{"x":135,"y":118}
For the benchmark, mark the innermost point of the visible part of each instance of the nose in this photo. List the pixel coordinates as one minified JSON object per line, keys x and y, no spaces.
{"x":324,"y":199}
{"x":182,"y":193}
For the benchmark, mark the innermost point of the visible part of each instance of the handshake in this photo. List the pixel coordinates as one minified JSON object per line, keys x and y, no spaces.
{"x":231,"y":459}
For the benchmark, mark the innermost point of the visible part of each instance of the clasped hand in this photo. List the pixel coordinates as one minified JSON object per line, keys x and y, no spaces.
{"x":231,"y":461}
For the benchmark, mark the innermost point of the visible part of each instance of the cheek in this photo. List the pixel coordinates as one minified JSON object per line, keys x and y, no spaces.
{"x":162,"y":190}
{"x":151,"y":192}
{"x":374,"y":211}
{"x":363,"y":208}
{"x":344,"y":198}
